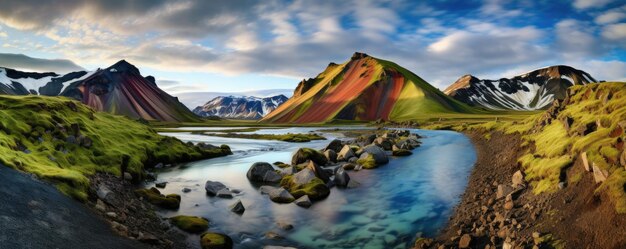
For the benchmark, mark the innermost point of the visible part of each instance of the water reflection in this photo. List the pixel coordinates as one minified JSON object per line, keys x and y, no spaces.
{"x":394,"y":202}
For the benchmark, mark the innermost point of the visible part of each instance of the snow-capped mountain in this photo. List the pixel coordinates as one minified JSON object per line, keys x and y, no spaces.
{"x":246,"y":107}
{"x":531,"y":91}
{"x":118,"y":89}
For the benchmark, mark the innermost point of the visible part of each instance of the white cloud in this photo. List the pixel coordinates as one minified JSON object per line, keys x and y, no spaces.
{"x":615,"y":32}
{"x":603,"y":70}
{"x":587,"y":4}
{"x":610,"y":17}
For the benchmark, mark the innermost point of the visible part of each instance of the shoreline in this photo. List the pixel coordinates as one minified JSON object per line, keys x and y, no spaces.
{"x":567,"y":218}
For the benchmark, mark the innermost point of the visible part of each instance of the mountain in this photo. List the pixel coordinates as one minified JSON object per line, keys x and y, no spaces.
{"x":365,"y":89}
{"x":240,"y":107}
{"x":531,"y":91}
{"x":118,"y":89}
{"x":194,"y":99}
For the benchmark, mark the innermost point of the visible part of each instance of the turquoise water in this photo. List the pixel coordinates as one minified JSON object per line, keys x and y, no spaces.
{"x":410,"y":195}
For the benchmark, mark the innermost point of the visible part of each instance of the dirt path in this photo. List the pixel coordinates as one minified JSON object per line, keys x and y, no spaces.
{"x":34,"y":214}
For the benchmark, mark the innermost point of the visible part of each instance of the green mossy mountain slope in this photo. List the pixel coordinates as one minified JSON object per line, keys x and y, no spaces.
{"x":64,"y":141}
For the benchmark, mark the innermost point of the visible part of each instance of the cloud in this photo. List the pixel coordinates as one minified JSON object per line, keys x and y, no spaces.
{"x":611,"y":16}
{"x":615,"y":32}
{"x":23,"y":62}
{"x":167,"y":83}
{"x":587,"y":4}
{"x":576,"y":39}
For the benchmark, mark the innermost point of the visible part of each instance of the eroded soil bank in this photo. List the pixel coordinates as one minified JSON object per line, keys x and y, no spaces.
{"x":572,"y":217}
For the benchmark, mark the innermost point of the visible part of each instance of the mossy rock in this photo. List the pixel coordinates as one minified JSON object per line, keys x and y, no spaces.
{"x":192,"y":224}
{"x":305,"y":154}
{"x":315,"y":189}
{"x":402,"y":152}
{"x":154,"y":196}
{"x":212,"y":240}
{"x":281,"y":165}
{"x":368,"y":162}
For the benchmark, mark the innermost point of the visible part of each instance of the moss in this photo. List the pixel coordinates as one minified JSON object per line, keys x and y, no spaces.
{"x":401,"y":152}
{"x":64,"y":142}
{"x":615,"y":186}
{"x":212,"y":240}
{"x":544,"y":173}
{"x":192,"y":224}
{"x":368,"y":162}
{"x":289,"y":137}
{"x":155,"y":197}
{"x":316,"y":189}
{"x":549,"y":241}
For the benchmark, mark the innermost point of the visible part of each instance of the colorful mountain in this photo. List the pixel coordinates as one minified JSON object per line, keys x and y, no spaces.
{"x":531,"y":91}
{"x":363,"y":89}
{"x":118,"y":89}
{"x":240,"y":107}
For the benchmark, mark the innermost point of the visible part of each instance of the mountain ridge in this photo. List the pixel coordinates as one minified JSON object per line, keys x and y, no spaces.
{"x":240,"y":107}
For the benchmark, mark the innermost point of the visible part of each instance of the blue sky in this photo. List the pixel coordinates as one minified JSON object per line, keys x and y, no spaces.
{"x":243,"y":45}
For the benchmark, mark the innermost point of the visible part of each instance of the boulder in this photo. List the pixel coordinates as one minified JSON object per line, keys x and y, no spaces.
{"x":303,"y":201}
{"x":224,"y":193}
{"x":212,"y":187}
{"x":383,"y":143}
{"x":348,"y":166}
{"x":334,"y":145}
{"x":583,"y":157}
{"x":106,"y":195}
{"x":331,"y":155}
{"x":319,"y":172}
{"x":599,"y":175}
{"x":306,"y":183}
{"x":191,"y":224}
{"x":152,"y":195}
{"x":160,"y":184}
{"x":284,"y":226}
{"x":402,"y":152}
{"x":465,"y":241}
{"x":262,"y":172}
{"x":353,"y":159}
{"x":237,"y":207}
{"x":503,"y":191}
{"x":265,"y":189}
{"x":280,"y":195}
{"x":345,"y":153}
{"x":341,"y":178}
{"x":378,"y":154}
{"x":366,"y":161}
{"x":211,"y":240}
{"x":518,"y":179}
{"x":306,"y":154}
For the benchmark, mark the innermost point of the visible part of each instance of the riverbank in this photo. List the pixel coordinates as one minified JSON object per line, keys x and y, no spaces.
{"x":488,"y":217}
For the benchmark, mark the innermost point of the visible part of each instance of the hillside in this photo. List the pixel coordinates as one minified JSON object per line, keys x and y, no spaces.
{"x":118,"y":89}
{"x":64,"y":141}
{"x":531,"y":91}
{"x":245,"y":107}
{"x":363,"y":89}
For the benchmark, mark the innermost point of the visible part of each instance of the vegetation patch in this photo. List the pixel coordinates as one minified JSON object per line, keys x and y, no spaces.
{"x":154,"y":196}
{"x":289,"y":137}
{"x":192,"y":224}
{"x":63,"y":141}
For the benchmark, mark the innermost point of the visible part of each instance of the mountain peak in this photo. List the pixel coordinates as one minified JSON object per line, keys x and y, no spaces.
{"x":123,"y":66}
{"x":358,"y":56}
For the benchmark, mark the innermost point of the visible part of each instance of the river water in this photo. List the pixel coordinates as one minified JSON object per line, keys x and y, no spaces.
{"x":410,"y":195}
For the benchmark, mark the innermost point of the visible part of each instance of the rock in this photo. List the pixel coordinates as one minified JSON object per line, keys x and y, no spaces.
{"x":100,"y":205}
{"x":119,"y":228}
{"x":465,"y":241}
{"x":158,"y":166}
{"x":319,"y":172}
{"x":237,"y":207}
{"x":306,"y":183}
{"x":507,"y":245}
{"x":191,"y":224}
{"x":503,"y":191}
{"x":281,"y":195}
{"x":186,"y":190}
{"x":331,"y":155}
{"x":212,"y":240}
{"x":353,"y":159}
{"x":306,"y":154}
{"x":212,"y":187}
{"x":273,"y":235}
{"x":378,"y":154}
{"x":151,"y":177}
{"x":341,"y":178}
{"x":112,"y":215}
{"x":334,"y":145}
{"x":422,"y":243}
{"x":148,"y":238}
{"x":262,"y":172}
{"x":383,"y":143}
{"x":284,"y":226}
{"x":518,"y":179}
{"x":345,"y":153}
{"x":224,"y":193}
{"x":367,"y":161}
{"x":402,"y":152}
{"x":508,"y":204}
{"x":303,"y":201}
{"x":265,"y":189}
{"x":353,"y":184}
{"x":152,"y":195}
{"x":348,"y":166}
{"x":583,"y":157}
{"x":599,"y":175}
{"x":106,"y":195}
{"x":160,"y":184}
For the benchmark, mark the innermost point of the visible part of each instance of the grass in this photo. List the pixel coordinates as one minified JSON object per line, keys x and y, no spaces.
{"x":38,"y":134}
{"x":289,"y":137}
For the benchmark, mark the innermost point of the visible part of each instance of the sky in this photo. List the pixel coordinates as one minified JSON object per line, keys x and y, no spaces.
{"x":193,"y":46}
